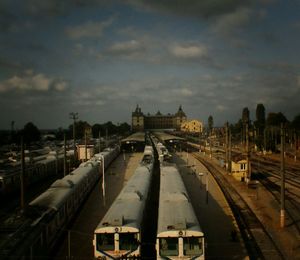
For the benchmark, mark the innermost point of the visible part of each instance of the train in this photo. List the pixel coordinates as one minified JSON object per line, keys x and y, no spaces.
{"x":51,"y":212}
{"x":120,"y":232}
{"x":179,"y":235}
{"x":162,"y":151}
{"x":38,"y":166}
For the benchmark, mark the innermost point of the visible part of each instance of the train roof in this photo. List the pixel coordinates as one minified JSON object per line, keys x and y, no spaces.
{"x":176,"y":213}
{"x":126,"y":211}
{"x":52,"y":198}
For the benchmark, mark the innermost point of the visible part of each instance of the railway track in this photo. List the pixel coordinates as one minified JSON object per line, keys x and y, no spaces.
{"x":269,"y":177}
{"x":259,"y":243}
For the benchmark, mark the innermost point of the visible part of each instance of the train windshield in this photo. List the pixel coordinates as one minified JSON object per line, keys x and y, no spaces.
{"x":192,"y":246}
{"x":128,"y":241}
{"x":168,"y":246}
{"x":105,"y":242}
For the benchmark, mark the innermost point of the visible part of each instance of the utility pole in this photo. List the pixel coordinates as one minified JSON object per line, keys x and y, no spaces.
{"x":295,"y":144}
{"x":22,"y":176}
{"x":106,"y":137}
{"x":210,"y":145}
{"x":85,"y":146}
{"x":74,"y":116}
{"x":99,"y":141}
{"x":265,"y":139}
{"x":229,"y":150}
{"x":282,"y":166}
{"x":248,"y":152}
{"x":65,"y":155}
{"x":199,"y":141}
{"x":226,"y":146}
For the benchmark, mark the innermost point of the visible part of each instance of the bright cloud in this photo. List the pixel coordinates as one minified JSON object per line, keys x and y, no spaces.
{"x":126,"y":47}
{"x":31,"y":82}
{"x":188,"y":51}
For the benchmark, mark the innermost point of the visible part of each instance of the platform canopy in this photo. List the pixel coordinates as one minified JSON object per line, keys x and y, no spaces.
{"x":167,"y":137}
{"x":134,"y":138}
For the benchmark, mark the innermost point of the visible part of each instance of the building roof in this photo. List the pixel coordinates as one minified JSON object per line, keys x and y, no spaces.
{"x":138,"y":111}
{"x":180,"y":112}
{"x":239,"y":157}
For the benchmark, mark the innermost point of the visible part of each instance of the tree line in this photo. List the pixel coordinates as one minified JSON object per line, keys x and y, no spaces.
{"x":31,"y":133}
{"x":264,"y":131}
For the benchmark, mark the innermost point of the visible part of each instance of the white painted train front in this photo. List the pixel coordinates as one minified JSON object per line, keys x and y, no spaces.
{"x":179,"y":235}
{"x":120,"y":231}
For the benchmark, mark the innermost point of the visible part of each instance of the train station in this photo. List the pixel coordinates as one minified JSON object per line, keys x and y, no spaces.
{"x":131,"y":205}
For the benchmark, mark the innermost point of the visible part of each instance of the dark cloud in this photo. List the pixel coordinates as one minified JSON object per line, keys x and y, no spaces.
{"x":204,"y":8}
{"x":60,"y":7}
{"x":7,"y":20}
{"x":9,"y":65}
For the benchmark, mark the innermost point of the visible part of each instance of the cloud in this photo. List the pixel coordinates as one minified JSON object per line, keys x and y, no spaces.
{"x":31,"y":82}
{"x":126,"y":48}
{"x":228,"y":23}
{"x":89,"y":29}
{"x":196,"y":8}
{"x":188,"y":51}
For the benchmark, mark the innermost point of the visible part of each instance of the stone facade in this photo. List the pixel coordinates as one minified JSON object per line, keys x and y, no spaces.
{"x":141,"y":121}
{"x":192,"y":126}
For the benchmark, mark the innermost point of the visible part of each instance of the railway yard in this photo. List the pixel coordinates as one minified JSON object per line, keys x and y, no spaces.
{"x":236,"y":220}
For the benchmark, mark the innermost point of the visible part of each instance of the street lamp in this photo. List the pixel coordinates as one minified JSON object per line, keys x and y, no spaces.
{"x":103,"y":178}
{"x":74,"y":116}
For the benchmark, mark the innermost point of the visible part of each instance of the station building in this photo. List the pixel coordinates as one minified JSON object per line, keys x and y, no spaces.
{"x":142,"y":122}
{"x":192,"y":126}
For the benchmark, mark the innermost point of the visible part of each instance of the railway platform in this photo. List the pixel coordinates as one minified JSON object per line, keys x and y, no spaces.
{"x":223,"y":239}
{"x":267,"y":209}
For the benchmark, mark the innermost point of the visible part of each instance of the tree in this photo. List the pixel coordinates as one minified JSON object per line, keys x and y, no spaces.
{"x":296,"y":122}
{"x":210,"y":123}
{"x":124,"y":128}
{"x":245,"y":121}
{"x":275,"y":119}
{"x":260,"y":125}
{"x":80,"y":127}
{"x":96,"y":128}
{"x":30,"y":133}
{"x":260,"y":118}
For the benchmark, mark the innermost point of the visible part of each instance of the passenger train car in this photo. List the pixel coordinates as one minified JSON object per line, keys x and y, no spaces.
{"x":54,"y":209}
{"x":163,"y":153}
{"x":119,"y":233}
{"x":37,"y":168}
{"x":179,"y":235}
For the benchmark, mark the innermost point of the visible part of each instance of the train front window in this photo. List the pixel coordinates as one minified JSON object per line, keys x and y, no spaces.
{"x":128,"y":241}
{"x":192,"y":246}
{"x":105,"y":241}
{"x":168,"y":246}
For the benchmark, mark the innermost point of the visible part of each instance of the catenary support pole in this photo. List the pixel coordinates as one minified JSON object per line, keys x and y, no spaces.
{"x":282,"y":191}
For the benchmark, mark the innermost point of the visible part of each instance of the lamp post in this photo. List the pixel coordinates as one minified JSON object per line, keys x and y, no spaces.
{"x":206,"y":188}
{"x":74,"y":116}
{"x":103,"y":178}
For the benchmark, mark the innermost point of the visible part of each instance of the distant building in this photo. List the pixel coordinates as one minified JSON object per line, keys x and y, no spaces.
{"x":87,"y":154}
{"x":192,"y":126}
{"x":239,"y":167}
{"x":141,"y":121}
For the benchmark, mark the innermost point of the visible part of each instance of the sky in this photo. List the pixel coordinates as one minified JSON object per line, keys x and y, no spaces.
{"x":100,"y":58}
